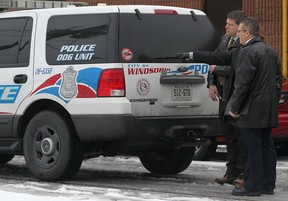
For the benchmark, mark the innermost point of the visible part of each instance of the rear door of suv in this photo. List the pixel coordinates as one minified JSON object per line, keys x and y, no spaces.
{"x":158,"y":83}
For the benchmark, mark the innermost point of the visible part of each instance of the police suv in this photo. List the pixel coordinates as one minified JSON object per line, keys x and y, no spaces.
{"x":82,"y":82}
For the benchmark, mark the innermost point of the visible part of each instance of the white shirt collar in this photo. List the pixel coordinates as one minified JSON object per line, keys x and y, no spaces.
{"x":248,"y":40}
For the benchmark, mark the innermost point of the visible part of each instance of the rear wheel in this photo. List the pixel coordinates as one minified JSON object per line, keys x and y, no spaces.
{"x":5,"y":158}
{"x":51,"y":149}
{"x":204,"y":153}
{"x":168,"y":161}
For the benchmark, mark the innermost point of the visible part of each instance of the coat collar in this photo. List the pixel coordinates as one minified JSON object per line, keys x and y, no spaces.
{"x":253,"y":40}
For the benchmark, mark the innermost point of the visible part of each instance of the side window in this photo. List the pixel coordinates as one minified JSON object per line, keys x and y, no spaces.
{"x":77,"y":39}
{"x":15,"y":41}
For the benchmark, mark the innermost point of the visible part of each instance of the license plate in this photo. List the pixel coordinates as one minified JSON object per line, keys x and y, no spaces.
{"x":181,"y":93}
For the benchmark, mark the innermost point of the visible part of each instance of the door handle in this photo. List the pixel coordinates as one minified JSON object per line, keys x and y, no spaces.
{"x":20,"y":79}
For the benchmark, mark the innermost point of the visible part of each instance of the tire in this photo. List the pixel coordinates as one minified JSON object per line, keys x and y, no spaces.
{"x":51,"y":148}
{"x":5,"y":158}
{"x":205,"y":153}
{"x":168,"y":161}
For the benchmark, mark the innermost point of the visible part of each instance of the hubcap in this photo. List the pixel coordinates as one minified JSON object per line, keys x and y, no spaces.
{"x":47,"y":146}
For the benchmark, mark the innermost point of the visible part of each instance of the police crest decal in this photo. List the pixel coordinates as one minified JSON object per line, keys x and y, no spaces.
{"x":68,"y":87}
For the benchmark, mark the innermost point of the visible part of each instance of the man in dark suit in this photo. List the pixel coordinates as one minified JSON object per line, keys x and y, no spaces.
{"x":217,"y":88}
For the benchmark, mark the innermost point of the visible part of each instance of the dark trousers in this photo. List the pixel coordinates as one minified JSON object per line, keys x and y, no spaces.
{"x":236,"y":156}
{"x":260,"y":170}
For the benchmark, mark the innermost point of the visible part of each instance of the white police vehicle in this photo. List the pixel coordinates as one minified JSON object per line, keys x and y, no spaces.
{"x":89,"y":81}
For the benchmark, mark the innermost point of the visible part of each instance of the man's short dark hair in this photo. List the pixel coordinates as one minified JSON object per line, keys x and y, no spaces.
{"x":251,"y":24}
{"x":236,"y":15}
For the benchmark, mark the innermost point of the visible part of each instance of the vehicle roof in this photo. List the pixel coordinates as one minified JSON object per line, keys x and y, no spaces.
{"x":147,"y":9}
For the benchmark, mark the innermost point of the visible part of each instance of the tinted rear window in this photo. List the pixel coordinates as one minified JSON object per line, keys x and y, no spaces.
{"x":78,"y":39}
{"x":163,"y":35}
{"x":15,"y":41}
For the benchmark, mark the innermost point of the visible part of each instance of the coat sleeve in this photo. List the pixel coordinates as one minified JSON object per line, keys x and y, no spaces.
{"x":211,"y":79}
{"x":217,"y":58}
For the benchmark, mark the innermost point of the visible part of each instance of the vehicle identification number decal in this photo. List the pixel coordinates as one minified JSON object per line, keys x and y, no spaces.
{"x":43,"y":71}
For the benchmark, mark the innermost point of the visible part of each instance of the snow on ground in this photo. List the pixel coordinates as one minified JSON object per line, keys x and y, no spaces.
{"x":35,"y":191}
{"x":99,"y":194}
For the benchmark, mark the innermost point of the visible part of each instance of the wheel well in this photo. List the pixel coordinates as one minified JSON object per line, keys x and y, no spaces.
{"x":39,"y":106}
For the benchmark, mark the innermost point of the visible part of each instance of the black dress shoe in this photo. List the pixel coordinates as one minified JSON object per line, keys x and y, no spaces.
{"x":244,"y":192}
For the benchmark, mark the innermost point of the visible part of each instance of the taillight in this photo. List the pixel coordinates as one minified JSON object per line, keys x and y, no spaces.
{"x":111,"y":83}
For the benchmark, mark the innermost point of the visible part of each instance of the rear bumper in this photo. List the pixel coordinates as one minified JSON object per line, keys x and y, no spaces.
{"x":121,"y":127}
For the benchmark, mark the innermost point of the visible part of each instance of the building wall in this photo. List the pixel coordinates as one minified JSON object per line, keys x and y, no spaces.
{"x":268,"y":12}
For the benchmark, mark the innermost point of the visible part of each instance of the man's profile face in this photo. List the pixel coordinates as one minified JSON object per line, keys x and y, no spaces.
{"x":231,"y":27}
{"x":243,"y":34}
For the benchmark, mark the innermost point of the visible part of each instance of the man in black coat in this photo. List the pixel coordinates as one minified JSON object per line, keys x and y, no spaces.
{"x":255,"y":95}
{"x":252,"y":103}
{"x":216,"y":83}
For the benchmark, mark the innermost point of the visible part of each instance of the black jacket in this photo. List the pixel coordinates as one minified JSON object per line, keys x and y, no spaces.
{"x":255,"y":76}
{"x":223,"y":71}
